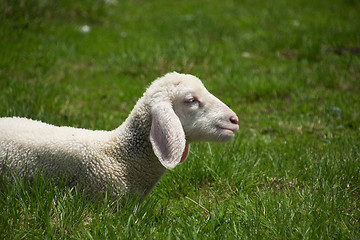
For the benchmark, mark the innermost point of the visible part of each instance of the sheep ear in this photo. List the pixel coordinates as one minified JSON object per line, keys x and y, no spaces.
{"x":167,"y":136}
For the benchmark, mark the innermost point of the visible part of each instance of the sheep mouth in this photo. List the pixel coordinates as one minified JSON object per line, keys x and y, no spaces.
{"x":228,"y":130}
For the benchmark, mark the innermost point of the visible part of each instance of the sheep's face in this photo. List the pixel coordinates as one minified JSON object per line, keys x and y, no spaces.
{"x":183,"y":111}
{"x":203,"y":116}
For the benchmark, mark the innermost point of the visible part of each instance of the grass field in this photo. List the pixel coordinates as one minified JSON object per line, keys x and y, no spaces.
{"x":289,"y":69}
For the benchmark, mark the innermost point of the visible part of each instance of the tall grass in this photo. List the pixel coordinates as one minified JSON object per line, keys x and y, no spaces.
{"x":290,"y":70}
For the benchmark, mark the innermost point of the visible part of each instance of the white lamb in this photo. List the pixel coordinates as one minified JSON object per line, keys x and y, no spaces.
{"x":175,"y":111}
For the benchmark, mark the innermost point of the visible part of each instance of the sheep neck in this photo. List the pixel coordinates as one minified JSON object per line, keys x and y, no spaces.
{"x":142,"y":168}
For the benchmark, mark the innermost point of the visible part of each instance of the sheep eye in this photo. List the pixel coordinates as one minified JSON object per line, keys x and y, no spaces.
{"x":191,"y":100}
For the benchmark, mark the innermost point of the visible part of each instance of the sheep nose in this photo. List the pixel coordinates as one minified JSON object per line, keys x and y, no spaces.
{"x":234,"y":120}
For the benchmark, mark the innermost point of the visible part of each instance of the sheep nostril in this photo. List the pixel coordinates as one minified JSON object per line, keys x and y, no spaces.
{"x":234,"y":120}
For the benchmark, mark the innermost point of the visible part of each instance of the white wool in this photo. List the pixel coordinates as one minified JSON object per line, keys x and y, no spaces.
{"x":173,"y":112}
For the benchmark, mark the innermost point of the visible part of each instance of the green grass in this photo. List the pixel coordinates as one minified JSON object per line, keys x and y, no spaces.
{"x":289,"y":69}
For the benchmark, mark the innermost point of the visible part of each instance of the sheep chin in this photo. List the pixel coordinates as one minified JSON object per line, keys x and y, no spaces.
{"x":224,"y":134}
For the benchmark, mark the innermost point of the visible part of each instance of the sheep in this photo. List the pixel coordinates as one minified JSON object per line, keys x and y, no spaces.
{"x":174,"y":111}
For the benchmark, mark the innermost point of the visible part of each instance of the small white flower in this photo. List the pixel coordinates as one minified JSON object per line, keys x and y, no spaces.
{"x":110,"y":2}
{"x":246,"y":55}
{"x":296,"y":23}
{"x":85,"y":29}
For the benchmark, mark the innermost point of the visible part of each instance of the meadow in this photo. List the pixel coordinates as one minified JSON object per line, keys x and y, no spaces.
{"x":289,"y":69}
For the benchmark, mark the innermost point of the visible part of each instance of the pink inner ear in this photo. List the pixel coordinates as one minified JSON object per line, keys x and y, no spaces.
{"x":185,"y":153}
{"x":167,"y":136}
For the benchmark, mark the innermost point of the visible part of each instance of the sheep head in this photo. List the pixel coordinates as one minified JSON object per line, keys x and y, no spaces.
{"x":183,"y":111}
